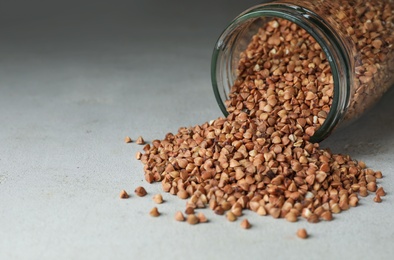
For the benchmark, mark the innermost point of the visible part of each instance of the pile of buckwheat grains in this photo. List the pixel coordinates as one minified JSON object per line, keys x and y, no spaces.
{"x":259,"y":157}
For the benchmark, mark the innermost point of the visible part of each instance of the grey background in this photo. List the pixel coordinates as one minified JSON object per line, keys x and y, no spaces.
{"x":76,"y":77}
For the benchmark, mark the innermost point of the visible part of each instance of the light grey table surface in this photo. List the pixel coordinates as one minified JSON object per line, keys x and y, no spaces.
{"x":77,"y":77}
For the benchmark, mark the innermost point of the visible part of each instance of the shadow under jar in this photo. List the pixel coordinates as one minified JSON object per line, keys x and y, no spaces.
{"x":320,"y":64}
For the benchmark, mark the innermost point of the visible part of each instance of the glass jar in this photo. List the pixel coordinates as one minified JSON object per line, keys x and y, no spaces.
{"x":356,"y":37}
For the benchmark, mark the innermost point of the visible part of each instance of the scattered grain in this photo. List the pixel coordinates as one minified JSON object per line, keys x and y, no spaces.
{"x":237,"y":211}
{"x":140,"y":140}
{"x":138,"y":155}
{"x":154,"y":212}
{"x":313,"y":218}
{"x":378,"y":175}
{"x":261,"y":211}
{"x":140,"y":191}
{"x":363,"y":191}
{"x":123,"y":194}
{"x":380,"y":191}
{"x":301,"y":233}
{"x":189,"y":210}
{"x":219,"y":210}
{"x":327,"y":216}
{"x":158,"y":199}
{"x":192,"y":219}
{"x":371,"y":186}
{"x":182,"y":194}
{"x":353,"y":201}
{"x":377,"y":199}
{"x":231,"y":217}
{"x":245,"y":224}
{"x":291,"y":217}
{"x":202,"y":218}
{"x":179,"y":216}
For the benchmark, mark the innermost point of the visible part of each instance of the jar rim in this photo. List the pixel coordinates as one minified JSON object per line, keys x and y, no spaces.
{"x":325,"y":36}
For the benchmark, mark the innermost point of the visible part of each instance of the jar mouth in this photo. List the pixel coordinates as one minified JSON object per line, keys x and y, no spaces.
{"x":222,"y":76}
